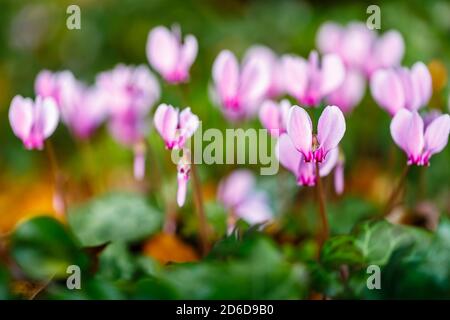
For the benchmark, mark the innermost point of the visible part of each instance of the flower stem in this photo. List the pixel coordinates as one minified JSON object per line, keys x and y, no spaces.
{"x":59,"y":200}
{"x":200,"y":209}
{"x":396,"y":191}
{"x":322,"y":210}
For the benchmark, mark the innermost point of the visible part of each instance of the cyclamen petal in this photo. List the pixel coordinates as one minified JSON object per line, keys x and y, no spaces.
{"x":329,"y":163}
{"x":175,"y":127}
{"x":339,"y":178}
{"x":254,"y":82}
{"x":310,"y":81}
{"x":44,"y":84}
{"x":235,"y":188}
{"x":33,"y":122}
{"x":333,"y":73}
{"x":288,"y":155}
{"x":295,"y":70}
{"x":350,"y":93}
{"x":166,"y":123}
{"x":329,"y":37}
{"x":274,"y":66}
{"x":167,"y":55}
{"x":388,"y":51}
{"x":46,"y":116}
{"x":299,"y":128}
{"x":293,"y":160}
{"x":398,"y":88}
{"x":21,"y":116}
{"x":226,"y":77}
{"x":239,"y":90}
{"x":274,"y":117}
{"x":407,"y":130}
{"x":238,"y":194}
{"x":330,"y":130}
{"x":255,"y":209}
{"x":387,"y":90}
{"x":436,"y":134}
{"x":422,"y":82}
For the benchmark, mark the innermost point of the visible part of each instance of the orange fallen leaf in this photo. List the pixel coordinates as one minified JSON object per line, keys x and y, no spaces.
{"x":167,"y":248}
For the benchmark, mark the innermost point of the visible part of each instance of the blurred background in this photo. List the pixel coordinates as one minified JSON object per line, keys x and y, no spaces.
{"x":33,"y":36}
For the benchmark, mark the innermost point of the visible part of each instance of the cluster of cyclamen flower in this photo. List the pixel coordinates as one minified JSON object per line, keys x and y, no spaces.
{"x":351,"y":55}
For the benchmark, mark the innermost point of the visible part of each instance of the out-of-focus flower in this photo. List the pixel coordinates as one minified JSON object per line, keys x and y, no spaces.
{"x":82,"y":108}
{"x":397,"y":88}
{"x":339,"y":180}
{"x":175,"y":127}
{"x":33,"y":121}
{"x":273,"y":116}
{"x":169,"y":56}
{"x":361,"y":48}
{"x":238,"y":193}
{"x":309,"y":81}
{"x":350,"y":92}
{"x":429,"y":116}
{"x":294,"y":161}
{"x":50,"y":84}
{"x":273,"y":63}
{"x":330,"y":130}
{"x":239,"y":91}
{"x":183,"y":175}
{"x":129,"y":94}
{"x":419,"y":142}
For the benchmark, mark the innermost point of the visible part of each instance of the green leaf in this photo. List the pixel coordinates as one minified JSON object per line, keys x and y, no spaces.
{"x":370,"y":243}
{"x":257,"y":271}
{"x":419,"y":271}
{"x":116,"y":262}
{"x":4,"y":283}
{"x":114,"y":217}
{"x":43,"y":248}
{"x":92,"y":288}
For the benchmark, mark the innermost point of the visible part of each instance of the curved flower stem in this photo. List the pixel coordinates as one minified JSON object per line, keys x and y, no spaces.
{"x":322,"y":210}
{"x":396,"y":191}
{"x":59,"y":200}
{"x":203,"y":225}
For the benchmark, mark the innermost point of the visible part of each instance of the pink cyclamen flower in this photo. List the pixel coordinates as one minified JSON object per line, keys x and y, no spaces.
{"x":273,"y":116}
{"x":339,"y":176}
{"x":239,"y":91}
{"x":350,"y":92}
{"x":294,"y":161}
{"x":183,"y":175}
{"x":238,"y":193}
{"x":82,"y":109}
{"x":397,"y":88}
{"x":361,"y":48}
{"x":330,"y":130}
{"x":309,"y":81}
{"x":129,"y":92}
{"x":33,"y":121}
{"x":175,"y":127}
{"x":50,"y":84}
{"x":419,"y":142}
{"x":275,"y":70}
{"x":169,"y":56}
